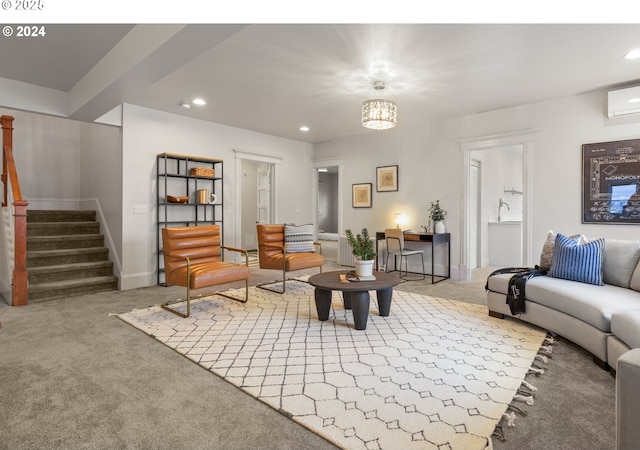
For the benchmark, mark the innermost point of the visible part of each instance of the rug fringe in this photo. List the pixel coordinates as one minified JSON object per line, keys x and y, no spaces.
{"x":518,"y":410}
{"x":526,"y":391}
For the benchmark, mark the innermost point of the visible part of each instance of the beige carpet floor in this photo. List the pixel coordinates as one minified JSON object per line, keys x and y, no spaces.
{"x":72,"y":376}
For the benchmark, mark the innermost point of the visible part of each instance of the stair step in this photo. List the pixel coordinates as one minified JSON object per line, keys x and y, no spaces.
{"x":63,"y":272}
{"x":66,"y":254}
{"x":42,"y":215}
{"x":67,"y":288}
{"x":64,"y":241}
{"x":41,"y":258}
{"x":62,"y":228}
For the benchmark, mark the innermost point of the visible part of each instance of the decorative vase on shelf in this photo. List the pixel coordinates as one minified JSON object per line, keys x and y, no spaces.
{"x":439,"y":227}
{"x":364,"y":268}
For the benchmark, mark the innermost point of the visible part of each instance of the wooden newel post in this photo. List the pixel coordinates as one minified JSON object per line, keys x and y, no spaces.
{"x":20,"y":293}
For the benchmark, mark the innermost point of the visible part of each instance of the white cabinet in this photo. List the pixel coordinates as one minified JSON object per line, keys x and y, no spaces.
{"x":505,"y":244}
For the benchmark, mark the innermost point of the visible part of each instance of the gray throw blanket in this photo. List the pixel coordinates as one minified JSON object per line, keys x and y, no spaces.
{"x":515,"y":291}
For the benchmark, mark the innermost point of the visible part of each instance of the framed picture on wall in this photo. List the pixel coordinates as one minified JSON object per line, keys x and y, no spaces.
{"x":387,"y":178}
{"x":611,"y":182}
{"x":362,"y":195}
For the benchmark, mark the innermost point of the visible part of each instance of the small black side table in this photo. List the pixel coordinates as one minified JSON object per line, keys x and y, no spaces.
{"x":354,"y":293}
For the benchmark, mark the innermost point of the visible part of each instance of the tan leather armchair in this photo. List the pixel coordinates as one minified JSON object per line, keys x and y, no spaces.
{"x":193,"y":258}
{"x":272,"y":255}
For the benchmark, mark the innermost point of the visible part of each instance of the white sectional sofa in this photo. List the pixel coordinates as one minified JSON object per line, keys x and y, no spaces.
{"x":603,"y":319}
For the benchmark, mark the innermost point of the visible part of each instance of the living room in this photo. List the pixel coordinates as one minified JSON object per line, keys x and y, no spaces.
{"x":71,"y":164}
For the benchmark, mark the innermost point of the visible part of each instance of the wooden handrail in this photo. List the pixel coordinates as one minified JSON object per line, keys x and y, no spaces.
{"x":20,"y":286}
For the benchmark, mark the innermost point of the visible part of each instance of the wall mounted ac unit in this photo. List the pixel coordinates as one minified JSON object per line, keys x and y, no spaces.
{"x":624,"y":102}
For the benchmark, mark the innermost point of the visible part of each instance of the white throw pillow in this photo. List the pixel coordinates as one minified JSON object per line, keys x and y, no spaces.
{"x":298,"y":239}
{"x":620,"y":260}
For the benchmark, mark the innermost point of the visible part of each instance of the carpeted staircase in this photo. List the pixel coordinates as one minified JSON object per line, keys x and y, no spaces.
{"x":66,"y":255}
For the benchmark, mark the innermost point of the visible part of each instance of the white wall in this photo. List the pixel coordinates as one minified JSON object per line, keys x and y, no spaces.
{"x":66,"y":164}
{"x":47,"y":151}
{"x":431,"y":166}
{"x":147,"y":133}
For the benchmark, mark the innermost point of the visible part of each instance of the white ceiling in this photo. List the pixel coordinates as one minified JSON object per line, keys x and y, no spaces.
{"x":275,"y":78}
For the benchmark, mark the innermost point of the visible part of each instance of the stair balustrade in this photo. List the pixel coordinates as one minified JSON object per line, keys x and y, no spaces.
{"x":19,"y":291}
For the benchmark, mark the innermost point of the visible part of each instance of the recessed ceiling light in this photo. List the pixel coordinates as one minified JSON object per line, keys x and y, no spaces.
{"x":198,"y":101}
{"x":633,"y":54}
{"x":185,"y":105}
{"x":304,"y":128}
{"x":323,"y":169}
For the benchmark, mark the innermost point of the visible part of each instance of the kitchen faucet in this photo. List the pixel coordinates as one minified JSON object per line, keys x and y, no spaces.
{"x":500,"y":205}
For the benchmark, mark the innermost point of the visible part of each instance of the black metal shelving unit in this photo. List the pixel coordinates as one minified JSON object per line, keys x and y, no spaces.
{"x":173,"y":176}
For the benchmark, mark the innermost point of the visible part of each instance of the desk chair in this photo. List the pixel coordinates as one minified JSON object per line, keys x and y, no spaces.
{"x":272,"y":254}
{"x":395,"y":246}
{"x":193,"y":259}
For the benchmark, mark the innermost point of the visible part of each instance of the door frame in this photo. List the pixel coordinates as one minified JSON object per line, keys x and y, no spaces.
{"x":477,"y":220}
{"x":249,"y":155}
{"x":524,"y":138}
{"x":328,"y":162}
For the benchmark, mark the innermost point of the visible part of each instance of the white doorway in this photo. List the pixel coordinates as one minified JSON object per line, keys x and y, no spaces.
{"x":256,"y":195}
{"x":256,"y":201}
{"x":327,"y":202}
{"x":523,"y":140}
{"x":336,"y":203}
{"x":497,"y":219}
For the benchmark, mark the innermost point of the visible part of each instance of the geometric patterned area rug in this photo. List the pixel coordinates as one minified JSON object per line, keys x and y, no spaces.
{"x":434,"y":374}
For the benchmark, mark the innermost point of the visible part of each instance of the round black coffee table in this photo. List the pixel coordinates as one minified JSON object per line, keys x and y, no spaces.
{"x":354,"y":293}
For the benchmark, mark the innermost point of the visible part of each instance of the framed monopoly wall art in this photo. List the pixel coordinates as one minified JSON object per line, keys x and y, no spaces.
{"x":611,"y":182}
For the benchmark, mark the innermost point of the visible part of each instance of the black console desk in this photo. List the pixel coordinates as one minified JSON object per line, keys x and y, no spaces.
{"x":434,"y":239}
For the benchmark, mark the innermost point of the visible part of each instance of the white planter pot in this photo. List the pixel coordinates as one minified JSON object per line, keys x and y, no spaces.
{"x":364,"y":268}
{"x":439,"y":227}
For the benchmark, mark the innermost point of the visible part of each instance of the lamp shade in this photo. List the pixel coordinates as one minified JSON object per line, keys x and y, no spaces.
{"x":379,"y":114}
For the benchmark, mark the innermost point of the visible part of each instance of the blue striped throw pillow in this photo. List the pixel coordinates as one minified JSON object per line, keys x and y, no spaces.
{"x":298,"y":239}
{"x":577,"y":262}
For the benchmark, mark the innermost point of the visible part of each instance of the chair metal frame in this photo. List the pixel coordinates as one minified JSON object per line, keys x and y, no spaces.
{"x":266,"y":287}
{"x":403,"y":252}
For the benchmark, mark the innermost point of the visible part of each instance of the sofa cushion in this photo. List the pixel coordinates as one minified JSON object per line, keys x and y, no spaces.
{"x":546,"y":257}
{"x":577,"y":262}
{"x":298,"y":239}
{"x":626,"y":327}
{"x":591,"y":304}
{"x":620,"y":260}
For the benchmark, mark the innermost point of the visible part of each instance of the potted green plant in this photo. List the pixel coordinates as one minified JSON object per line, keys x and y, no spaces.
{"x":362,"y":248}
{"x":437,"y":214}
